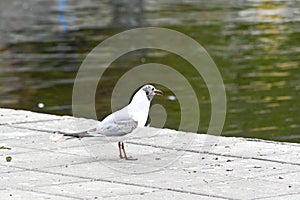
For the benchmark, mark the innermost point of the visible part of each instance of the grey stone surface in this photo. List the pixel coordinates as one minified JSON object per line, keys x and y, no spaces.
{"x":94,"y":189}
{"x":65,"y":124}
{"x":9,"y":116}
{"x":171,"y":164}
{"x":21,"y":194}
{"x":162,"y":194}
{"x":35,"y":179}
{"x":295,"y":196}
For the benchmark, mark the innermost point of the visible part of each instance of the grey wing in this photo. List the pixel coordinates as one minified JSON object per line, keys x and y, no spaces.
{"x":117,"y":124}
{"x":118,"y":128}
{"x":120,"y":115}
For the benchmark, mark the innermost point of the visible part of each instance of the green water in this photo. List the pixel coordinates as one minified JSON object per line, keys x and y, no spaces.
{"x":255,"y":45}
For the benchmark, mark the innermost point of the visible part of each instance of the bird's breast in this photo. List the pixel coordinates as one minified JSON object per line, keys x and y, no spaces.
{"x":140,"y":116}
{"x":139,"y":108}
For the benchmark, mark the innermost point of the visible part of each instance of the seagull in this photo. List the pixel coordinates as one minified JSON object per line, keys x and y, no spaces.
{"x":127,"y":119}
{"x":124,"y":121}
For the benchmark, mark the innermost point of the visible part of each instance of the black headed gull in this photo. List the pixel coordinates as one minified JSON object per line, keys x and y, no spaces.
{"x":124,"y":121}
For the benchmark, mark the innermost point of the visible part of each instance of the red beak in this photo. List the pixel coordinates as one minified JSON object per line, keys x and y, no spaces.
{"x":158,"y":92}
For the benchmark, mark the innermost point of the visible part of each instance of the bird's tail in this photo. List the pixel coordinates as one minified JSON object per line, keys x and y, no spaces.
{"x":88,"y":133}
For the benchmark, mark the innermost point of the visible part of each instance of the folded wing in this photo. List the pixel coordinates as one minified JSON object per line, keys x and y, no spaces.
{"x":117,"y":124}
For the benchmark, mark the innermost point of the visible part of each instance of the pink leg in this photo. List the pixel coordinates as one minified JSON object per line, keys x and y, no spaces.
{"x":125,"y":156}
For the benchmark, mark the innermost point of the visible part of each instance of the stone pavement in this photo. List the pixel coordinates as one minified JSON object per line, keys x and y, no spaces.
{"x":170,"y":165}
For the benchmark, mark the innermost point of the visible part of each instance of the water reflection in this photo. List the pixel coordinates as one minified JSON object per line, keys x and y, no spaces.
{"x":62,"y":15}
{"x":254,"y":43}
{"x":127,"y":13}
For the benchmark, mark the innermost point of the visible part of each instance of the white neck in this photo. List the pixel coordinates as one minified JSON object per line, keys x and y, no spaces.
{"x":139,"y":101}
{"x":139,"y":107}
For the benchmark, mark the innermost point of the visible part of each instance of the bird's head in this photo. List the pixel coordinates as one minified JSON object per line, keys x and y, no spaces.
{"x":151,"y":91}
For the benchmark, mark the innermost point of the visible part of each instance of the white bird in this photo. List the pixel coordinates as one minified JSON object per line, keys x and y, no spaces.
{"x":124,"y":121}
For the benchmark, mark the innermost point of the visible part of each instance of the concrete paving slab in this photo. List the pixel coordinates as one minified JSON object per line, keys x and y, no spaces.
{"x":189,"y":181}
{"x":12,"y":151}
{"x":90,"y":170}
{"x":233,"y":147}
{"x":170,"y":164}
{"x":150,"y":159}
{"x":291,"y":155}
{"x":9,"y":116}
{"x":41,"y":159}
{"x":251,"y":168}
{"x":284,"y":197}
{"x":247,"y":189}
{"x":8,"y":169}
{"x":40,"y":141}
{"x":94,"y":189}
{"x":163,"y":194}
{"x":289,"y":178}
{"x":118,"y":168}
{"x":8,"y":132}
{"x":258,"y":149}
{"x":5,"y":171}
{"x":65,"y":124}
{"x":34,"y":179}
{"x":21,"y":194}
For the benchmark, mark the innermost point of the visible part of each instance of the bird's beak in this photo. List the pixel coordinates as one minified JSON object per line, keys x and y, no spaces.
{"x":158,"y":92}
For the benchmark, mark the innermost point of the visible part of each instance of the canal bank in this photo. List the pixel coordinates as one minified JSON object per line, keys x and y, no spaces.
{"x":37,"y":163}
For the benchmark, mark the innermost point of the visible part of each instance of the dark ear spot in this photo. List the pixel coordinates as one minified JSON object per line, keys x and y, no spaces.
{"x":147,"y":93}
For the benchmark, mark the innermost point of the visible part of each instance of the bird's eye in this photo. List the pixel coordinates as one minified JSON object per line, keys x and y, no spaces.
{"x":152,"y":89}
